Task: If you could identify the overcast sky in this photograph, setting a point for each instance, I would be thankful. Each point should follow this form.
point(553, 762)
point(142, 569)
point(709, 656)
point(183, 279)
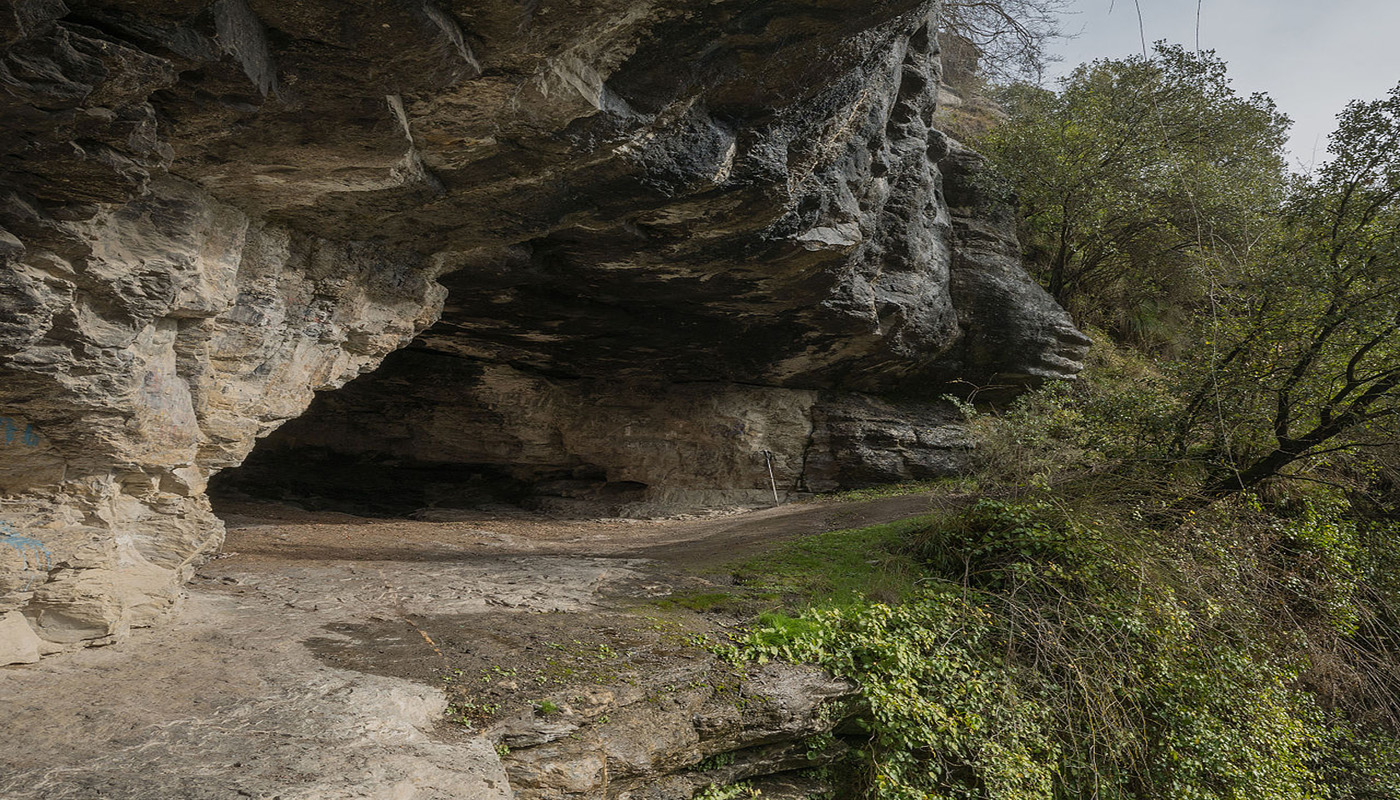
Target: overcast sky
point(1310, 56)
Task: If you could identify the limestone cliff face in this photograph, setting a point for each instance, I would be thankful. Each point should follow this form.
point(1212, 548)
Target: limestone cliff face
point(149, 348)
point(655, 223)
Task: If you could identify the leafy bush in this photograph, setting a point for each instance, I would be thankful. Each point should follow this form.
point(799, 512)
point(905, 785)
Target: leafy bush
point(984, 545)
point(942, 717)
point(1055, 655)
point(1110, 431)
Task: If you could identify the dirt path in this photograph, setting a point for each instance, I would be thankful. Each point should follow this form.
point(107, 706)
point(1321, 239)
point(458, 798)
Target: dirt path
point(266, 533)
point(309, 660)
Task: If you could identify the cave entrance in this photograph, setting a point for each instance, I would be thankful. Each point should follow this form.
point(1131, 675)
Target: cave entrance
point(431, 435)
point(427, 436)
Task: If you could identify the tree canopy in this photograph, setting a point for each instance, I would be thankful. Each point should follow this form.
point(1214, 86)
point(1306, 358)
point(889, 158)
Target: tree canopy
point(1303, 354)
point(1132, 171)
point(1156, 207)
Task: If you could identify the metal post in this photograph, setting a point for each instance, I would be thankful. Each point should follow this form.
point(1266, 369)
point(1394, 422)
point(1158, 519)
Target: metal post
point(768, 456)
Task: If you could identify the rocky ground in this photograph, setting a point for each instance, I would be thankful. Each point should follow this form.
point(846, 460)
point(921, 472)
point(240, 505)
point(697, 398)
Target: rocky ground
point(490, 656)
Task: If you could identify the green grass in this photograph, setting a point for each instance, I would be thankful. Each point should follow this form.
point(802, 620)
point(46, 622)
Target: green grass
point(950, 485)
point(703, 601)
point(838, 567)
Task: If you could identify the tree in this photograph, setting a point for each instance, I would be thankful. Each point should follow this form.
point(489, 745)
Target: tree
point(1303, 350)
point(1132, 172)
point(1010, 35)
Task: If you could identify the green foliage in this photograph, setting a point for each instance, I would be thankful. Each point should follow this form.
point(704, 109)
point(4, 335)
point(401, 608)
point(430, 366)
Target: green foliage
point(840, 566)
point(1049, 654)
point(1115, 426)
point(1302, 348)
point(1131, 173)
point(717, 761)
point(936, 707)
point(1320, 550)
point(733, 791)
point(1155, 205)
point(985, 545)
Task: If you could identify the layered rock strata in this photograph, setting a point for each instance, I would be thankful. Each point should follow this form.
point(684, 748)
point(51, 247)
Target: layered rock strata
point(429, 431)
point(211, 211)
point(152, 351)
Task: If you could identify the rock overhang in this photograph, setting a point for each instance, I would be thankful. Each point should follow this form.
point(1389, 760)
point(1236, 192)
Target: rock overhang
point(212, 211)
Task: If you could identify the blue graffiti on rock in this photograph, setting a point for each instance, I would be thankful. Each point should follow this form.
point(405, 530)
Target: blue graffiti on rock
point(12, 433)
point(32, 552)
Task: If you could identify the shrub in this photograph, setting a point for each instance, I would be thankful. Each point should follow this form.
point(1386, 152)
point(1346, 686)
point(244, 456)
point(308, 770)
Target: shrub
point(1051, 655)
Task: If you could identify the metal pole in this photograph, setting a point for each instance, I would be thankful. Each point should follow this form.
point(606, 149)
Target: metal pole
point(768, 456)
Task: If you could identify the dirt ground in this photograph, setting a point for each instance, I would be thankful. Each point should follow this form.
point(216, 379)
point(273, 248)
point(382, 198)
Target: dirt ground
point(263, 532)
point(327, 656)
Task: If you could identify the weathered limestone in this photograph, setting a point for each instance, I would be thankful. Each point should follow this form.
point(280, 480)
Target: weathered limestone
point(641, 744)
point(166, 336)
point(18, 642)
point(684, 211)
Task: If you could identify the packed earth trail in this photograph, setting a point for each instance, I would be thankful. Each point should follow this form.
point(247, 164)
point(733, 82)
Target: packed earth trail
point(493, 656)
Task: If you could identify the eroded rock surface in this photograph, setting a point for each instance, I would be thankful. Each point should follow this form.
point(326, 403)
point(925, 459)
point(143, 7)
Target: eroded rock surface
point(339, 658)
point(153, 345)
point(679, 215)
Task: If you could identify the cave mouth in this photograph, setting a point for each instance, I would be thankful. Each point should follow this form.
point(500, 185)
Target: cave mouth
point(378, 484)
point(429, 436)
point(440, 437)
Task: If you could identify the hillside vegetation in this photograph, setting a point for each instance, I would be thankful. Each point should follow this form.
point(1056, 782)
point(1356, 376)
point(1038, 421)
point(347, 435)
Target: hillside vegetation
point(1177, 577)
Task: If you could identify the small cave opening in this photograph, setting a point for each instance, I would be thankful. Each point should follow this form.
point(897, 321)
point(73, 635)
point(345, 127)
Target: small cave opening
point(427, 436)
